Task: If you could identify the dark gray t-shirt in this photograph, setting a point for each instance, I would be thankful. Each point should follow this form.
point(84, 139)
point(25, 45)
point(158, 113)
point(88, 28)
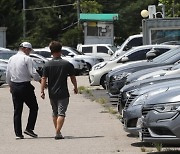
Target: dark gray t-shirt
point(57, 70)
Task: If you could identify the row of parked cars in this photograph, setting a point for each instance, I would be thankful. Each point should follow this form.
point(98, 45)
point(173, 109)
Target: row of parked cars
point(81, 62)
point(145, 83)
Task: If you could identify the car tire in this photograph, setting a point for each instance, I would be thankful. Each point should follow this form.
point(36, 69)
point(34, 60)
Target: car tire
point(88, 67)
point(103, 81)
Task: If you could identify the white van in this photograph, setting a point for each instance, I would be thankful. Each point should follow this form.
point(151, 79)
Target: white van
point(104, 51)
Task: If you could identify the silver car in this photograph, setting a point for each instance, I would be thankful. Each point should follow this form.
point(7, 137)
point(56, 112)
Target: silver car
point(161, 118)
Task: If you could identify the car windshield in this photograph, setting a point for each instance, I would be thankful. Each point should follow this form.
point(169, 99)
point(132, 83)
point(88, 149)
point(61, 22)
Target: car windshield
point(167, 56)
point(113, 48)
point(45, 54)
point(76, 51)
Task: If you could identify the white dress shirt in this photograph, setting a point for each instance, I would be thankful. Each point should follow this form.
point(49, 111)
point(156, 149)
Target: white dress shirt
point(21, 69)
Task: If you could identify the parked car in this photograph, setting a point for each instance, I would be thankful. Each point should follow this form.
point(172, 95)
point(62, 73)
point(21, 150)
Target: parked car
point(90, 60)
point(102, 50)
point(161, 118)
point(131, 41)
point(79, 64)
point(128, 89)
point(4, 49)
point(99, 71)
point(3, 67)
point(38, 63)
point(116, 86)
point(135, 101)
point(2, 75)
point(117, 77)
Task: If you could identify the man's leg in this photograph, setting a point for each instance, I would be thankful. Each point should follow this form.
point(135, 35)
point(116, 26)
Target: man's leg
point(18, 107)
point(58, 123)
point(31, 102)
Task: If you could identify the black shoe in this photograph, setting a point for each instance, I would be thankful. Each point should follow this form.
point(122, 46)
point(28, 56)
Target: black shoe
point(58, 137)
point(19, 137)
point(30, 133)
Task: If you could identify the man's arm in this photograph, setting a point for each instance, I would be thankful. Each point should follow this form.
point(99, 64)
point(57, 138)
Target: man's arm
point(32, 70)
point(74, 82)
point(43, 86)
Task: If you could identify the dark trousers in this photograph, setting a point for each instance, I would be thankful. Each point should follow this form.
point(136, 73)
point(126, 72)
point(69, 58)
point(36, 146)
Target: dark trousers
point(24, 93)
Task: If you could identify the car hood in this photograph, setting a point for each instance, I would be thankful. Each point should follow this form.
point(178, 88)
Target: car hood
point(86, 57)
point(150, 81)
point(137, 74)
point(133, 67)
point(169, 96)
point(154, 87)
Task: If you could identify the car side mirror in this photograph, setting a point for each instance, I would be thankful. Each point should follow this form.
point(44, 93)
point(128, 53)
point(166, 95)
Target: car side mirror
point(110, 52)
point(126, 48)
point(71, 55)
point(150, 55)
point(124, 59)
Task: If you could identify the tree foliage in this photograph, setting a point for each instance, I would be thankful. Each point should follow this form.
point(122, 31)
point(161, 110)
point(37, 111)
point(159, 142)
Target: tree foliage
point(44, 24)
point(90, 7)
point(172, 7)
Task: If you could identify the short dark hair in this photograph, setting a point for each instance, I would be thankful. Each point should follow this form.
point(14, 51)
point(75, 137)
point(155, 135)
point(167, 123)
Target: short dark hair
point(55, 46)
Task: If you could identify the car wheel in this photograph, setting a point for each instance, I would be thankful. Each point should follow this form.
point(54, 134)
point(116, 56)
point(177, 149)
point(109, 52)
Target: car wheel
point(103, 81)
point(89, 67)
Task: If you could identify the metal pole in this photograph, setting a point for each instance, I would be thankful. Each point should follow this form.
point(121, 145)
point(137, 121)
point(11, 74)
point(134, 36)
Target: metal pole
point(24, 19)
point(78, 18)
point(78, 13)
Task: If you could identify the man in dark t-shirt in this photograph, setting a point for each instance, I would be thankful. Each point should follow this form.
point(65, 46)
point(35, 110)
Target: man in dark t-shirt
point(56, 71)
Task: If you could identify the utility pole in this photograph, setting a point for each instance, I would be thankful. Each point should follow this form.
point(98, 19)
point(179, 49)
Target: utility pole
point(24, 19)
point(78, 18)
point(78, 13)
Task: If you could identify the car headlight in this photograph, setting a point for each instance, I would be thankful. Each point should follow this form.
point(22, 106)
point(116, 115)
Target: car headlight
point(140, 100)
point(99, 66)
point(120, 76)
point(167, 107)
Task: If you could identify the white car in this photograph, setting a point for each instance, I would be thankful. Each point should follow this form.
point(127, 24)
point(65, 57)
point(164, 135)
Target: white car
point(98, 73)
point(79, 64)
point(131, 41)
point(3, 67)
point(102, 50)
point(2, 75)
point(90, 60)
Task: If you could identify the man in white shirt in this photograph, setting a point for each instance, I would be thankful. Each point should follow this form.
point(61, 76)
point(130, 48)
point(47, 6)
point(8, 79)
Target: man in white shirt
point(20, 72)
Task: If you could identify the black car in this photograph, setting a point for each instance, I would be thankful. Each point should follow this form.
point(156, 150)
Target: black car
point(116, 78)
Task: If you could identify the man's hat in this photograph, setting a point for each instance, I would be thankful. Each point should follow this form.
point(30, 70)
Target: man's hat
point(26, 45)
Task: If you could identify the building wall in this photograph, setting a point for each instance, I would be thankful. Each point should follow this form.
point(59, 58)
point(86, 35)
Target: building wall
point(98, 33)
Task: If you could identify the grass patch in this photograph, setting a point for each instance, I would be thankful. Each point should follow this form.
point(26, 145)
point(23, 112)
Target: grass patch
point(81, 89)
point(143, 149)
point(101, 100)
point(158, 146)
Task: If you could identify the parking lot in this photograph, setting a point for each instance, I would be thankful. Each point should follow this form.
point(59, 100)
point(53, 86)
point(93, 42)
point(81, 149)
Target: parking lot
point(88, 129)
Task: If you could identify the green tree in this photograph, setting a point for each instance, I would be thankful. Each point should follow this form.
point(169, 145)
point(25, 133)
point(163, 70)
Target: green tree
point(72, 37)
point(90, 7)
point(10, 17)
point(172, 7)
